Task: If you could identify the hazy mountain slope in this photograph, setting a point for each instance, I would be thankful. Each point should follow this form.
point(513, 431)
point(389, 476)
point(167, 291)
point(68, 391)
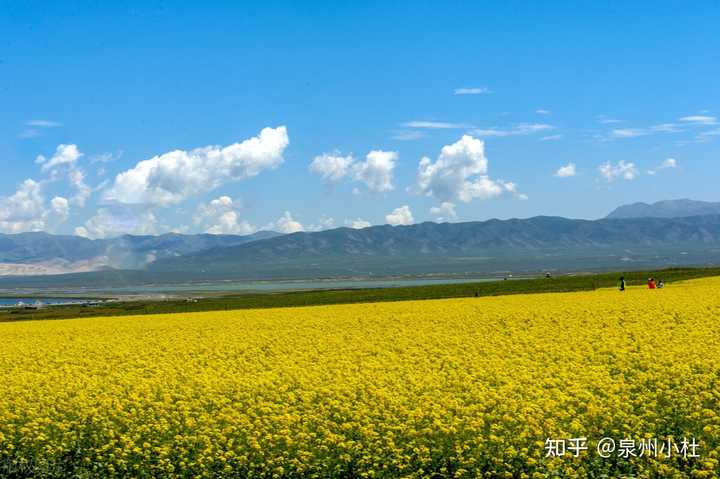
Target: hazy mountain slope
point(489, 247)
point(666, 209)
point(410, 249)
point(43, 252)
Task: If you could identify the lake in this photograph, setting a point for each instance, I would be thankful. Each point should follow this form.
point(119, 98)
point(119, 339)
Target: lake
point(9, 302)
point(238, 287)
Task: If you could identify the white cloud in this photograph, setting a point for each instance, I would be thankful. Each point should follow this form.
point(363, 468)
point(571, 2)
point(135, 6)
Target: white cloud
point(26, 210)
point(471, 91)
point(512, 187)
point(666, 128)
point(325, 223)
point(566, 171)
point(460, 173)
point(407, 135)
point(620, 133)
point(23, 211)
point(435, 125)
point(626, 171)
point(715, 132)
point(517, 130)
point(65, 159)
point(551, 138)
point(82, 190)
point(287, 224)
point(43, 123)
point(61, 207)
point(377, 170)
point(107, 157)
point(628, 132)
point(65, 155)
point(358, 223)
point(117, 220)
point(29, 133)
point(332, 167)
point(699, 119)
point(542, 112)
point(668, 163)
point(220, 216)
point(605, 120)
point(444, 212)
point(400, 216)
point(172, 177)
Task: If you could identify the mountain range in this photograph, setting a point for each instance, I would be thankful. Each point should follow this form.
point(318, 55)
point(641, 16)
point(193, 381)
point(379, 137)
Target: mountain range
point(495, 245)
point(666, 209)
point(43, 253)
point(471, 248)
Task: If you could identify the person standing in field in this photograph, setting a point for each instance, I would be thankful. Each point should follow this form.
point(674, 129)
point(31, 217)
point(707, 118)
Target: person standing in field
point(651, 283)
point(622, 283)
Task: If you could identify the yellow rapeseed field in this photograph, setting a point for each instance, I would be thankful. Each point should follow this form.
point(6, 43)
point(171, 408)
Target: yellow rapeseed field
point(449, 388)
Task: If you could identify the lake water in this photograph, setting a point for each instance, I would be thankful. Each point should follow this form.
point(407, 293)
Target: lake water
point(9, 302)
point(270, 286)
point(241, 287)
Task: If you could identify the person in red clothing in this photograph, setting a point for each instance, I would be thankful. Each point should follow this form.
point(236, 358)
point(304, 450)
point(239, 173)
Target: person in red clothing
point(651, 283)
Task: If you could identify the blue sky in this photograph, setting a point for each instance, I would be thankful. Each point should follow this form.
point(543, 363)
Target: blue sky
point(498, 96)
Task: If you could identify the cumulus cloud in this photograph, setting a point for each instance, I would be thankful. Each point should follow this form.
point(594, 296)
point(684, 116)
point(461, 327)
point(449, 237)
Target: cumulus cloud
point(566, 171)
point(61, 207)
point(221, 216)
point(358, 224)
point(460, 173)
point(622, 170)
point(65, 155)
point(511, 187)
point(668, 163)
point(26, 210)
point(117, 220)
point(377, 170)
point(82, 190)
point(170, 178)
point(287, 224)
point(400, 216)
point(65, 161)
point(472, 91)
point(325, 223)
point(332, 167)
point(444, 212)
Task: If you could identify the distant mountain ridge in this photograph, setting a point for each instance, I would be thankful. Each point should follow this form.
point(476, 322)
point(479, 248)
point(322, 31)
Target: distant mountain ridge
point(470, 248)
point(449, 247)
point(39, 253)
point(666, 209)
